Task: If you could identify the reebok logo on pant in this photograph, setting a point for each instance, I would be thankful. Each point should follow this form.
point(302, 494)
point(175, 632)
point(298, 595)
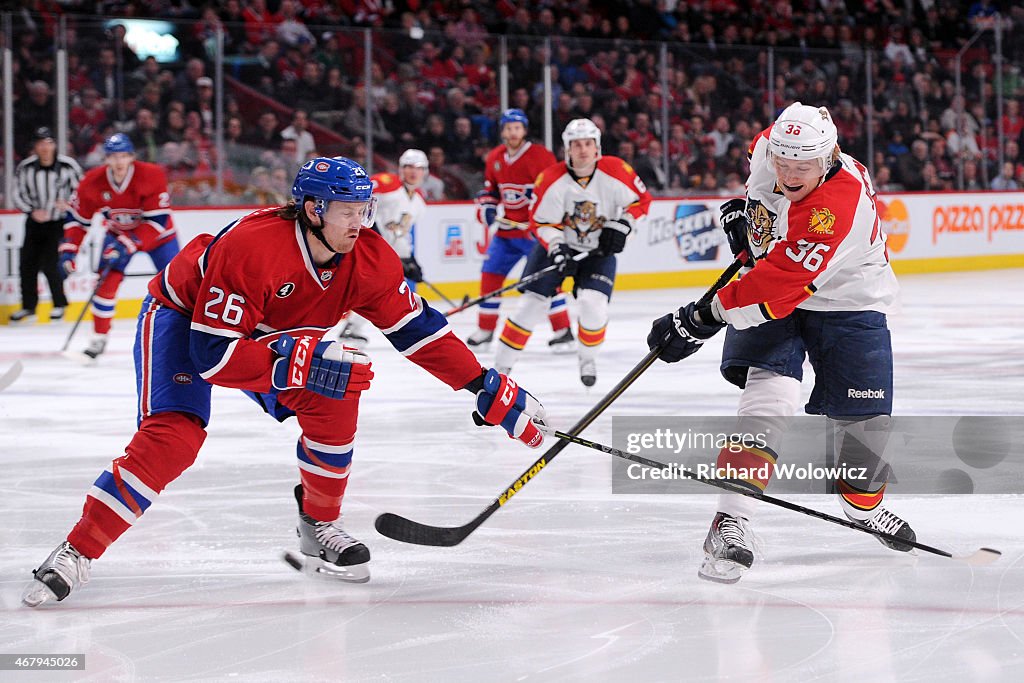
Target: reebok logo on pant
point(865, 393)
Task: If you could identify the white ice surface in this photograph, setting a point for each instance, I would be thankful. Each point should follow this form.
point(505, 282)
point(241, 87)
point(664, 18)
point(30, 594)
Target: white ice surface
point(566, 582)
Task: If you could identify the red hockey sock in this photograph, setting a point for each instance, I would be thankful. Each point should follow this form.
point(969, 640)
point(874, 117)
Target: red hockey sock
point(164, 447)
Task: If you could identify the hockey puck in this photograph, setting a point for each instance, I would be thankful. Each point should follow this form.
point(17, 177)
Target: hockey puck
point(293, 561)
point(981, 441)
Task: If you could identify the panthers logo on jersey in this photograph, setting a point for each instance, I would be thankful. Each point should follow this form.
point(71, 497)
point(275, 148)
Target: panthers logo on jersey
point(584, 218)
point(761, 228)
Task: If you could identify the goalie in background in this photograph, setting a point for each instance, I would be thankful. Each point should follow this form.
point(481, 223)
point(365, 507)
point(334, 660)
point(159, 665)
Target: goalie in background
point(248, 309)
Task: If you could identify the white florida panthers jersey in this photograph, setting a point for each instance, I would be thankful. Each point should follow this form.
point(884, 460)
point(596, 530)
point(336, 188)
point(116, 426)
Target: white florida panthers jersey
point(572, 210)
point(824, 253)
point(398, 211)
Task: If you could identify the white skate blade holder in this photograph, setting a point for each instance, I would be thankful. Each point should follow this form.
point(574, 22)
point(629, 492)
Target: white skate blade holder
point(720, 570)
point(36, 594)
point(358, 573)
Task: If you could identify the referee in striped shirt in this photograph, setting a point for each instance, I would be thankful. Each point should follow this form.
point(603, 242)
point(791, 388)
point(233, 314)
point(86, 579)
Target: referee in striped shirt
point(43, 184)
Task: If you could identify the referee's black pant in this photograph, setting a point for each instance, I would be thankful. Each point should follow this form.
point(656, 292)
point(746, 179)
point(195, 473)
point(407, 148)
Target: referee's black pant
point(39, 254)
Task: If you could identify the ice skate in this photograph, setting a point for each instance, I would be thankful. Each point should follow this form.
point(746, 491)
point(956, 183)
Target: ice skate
point(563, 343)
point(888, 523)
point(24, 316)
point(728, 549)
point(350, 334)
point(588, 372)
point(63, 571)
point(328, 550)
point(57, 313)
point(95, 348)
point(480, 339)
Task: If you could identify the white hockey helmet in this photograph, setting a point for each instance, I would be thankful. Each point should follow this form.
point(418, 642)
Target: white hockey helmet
point(803, 132)
point(413, 157)
point(581, 129)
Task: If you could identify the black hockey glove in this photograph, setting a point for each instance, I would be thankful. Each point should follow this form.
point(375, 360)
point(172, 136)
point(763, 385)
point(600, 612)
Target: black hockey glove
point(412, 269)
point(734, 224)
point(612, 239)
point(680, 334)
point(561, 256)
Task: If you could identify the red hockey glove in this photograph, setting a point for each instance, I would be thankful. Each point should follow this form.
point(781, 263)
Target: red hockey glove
point(503, 402)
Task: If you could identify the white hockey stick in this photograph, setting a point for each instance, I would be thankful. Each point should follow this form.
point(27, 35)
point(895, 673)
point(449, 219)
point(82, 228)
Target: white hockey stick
point(12, 374)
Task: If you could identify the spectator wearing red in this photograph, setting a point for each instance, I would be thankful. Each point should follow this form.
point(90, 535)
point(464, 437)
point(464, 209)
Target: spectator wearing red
point(260, 23)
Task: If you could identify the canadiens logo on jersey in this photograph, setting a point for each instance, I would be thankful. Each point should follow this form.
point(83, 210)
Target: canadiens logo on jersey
point(515, 196)
point(584, 218)
point(125, 219)
point(821, 222)
point(761, 230)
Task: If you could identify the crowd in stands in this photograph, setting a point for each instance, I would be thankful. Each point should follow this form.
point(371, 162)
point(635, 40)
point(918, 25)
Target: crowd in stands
point(682, 81)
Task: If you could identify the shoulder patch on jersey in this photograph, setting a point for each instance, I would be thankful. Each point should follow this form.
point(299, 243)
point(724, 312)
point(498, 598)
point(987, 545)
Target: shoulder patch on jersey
point(821, 222)
point(761, 230)
point(285, 290)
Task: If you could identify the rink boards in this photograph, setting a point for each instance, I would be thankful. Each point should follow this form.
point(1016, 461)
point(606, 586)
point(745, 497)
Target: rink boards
point(680, 244)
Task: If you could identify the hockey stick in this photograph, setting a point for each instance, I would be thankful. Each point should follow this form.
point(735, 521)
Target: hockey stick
point(12, 374)
point(409, 531)
point(525, 281)
point(81, 315)
point(437, 291)
point(978, 558)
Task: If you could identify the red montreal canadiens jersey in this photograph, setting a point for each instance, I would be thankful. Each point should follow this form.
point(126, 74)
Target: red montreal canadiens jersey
point(570, 211)
point(256, 279)
point(510, 178)
point(139, 207)
point(398, 210)
point(824, 253)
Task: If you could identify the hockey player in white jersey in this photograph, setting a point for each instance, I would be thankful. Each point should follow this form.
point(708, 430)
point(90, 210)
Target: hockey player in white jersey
point(821, 286)
point(587, 204)
point(400, 206)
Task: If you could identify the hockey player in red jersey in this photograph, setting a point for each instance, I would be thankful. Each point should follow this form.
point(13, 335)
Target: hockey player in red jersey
point(821, 287)
point(585, 205)
point(247, 309)
point(509, 174)
point(132, 197)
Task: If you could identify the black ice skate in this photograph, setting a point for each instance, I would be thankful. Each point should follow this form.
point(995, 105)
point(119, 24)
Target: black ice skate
point(96, 347)
point(588, 372)
point(563, 343)
point(728, 549)
point(350, 334)
point(63, 571)
point(328, 550)
point(888, 523)
point(480, 339)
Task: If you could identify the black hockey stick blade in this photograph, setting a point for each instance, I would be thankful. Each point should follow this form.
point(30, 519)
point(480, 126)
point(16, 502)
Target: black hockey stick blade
point(980, 557)
point(408, 531)
point(11, 376)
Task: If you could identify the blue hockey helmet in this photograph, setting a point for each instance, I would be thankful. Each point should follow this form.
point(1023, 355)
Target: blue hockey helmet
point(335, 179)
point(118, 142)
point(513, 116)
